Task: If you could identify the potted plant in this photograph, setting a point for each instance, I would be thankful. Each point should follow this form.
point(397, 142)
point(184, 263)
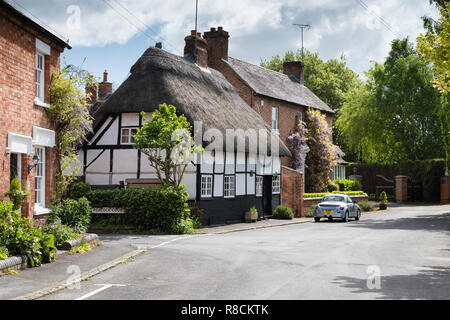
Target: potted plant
point(383, 201)
point(17, 193)
point(251, 215)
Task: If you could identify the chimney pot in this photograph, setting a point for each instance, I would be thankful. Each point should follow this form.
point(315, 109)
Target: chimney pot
point(213, 29)
point(158, 45)
point(199, 34)
point(220, 28)
point(105, 76)
point(193, 32)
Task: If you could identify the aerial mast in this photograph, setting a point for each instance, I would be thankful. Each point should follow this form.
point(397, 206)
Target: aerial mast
point(302, 27)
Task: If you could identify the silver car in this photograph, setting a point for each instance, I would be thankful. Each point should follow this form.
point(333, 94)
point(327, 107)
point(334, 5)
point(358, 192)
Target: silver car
point(337, 206)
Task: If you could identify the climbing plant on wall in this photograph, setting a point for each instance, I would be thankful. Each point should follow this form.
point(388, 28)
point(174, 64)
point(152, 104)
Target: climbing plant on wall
point(322, 155)
point(297, 143)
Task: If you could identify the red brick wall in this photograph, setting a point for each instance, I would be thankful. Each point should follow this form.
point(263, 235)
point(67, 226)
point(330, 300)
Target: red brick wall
point(445, 189)
point(292, 190)
point(18, 113)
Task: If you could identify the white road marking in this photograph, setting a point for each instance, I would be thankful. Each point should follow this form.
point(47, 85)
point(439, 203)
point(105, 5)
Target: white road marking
point(176, 239)
point(438, 259)
point(105, 286)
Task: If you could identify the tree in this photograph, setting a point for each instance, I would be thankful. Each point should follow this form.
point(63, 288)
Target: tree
point(166, 140)
point(394, 116)
point(69, 113)
point(330, 80)
point(322, 154)
point(435, 48)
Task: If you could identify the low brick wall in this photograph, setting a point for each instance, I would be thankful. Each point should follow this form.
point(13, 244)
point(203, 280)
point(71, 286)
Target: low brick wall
point(309, 202)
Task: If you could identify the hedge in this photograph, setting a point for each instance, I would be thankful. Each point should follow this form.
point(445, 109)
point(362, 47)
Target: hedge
point(320, 195)
point(164, 209)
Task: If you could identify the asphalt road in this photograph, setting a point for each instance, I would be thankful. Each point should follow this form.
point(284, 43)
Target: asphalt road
point(403, 253)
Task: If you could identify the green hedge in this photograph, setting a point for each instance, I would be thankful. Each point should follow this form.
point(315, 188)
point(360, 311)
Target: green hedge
point(163, 209)
point(283, 213)
point(320, 195)
point(348, 185)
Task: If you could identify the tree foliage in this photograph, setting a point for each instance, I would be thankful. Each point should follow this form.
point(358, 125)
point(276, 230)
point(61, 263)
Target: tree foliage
point(435, 48)
point(166, 140)
point(70, 116)
point(394, 116)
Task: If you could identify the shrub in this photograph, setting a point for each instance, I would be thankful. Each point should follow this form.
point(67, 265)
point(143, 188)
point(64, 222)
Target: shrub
point(332, 186)
point(310, 212)
point(161, 209)
point(183, 226)
point(282, 212)
point(383, 198)
point(348, 185)
point(3, 253)
point(74, 213)
point(253, 210)
point(196, 216)
point(60, 232)
point(365, 206)
point(79, 190)
point(17, 193)
point(320, 195)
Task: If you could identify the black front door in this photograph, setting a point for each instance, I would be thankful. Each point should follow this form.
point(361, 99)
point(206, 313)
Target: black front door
point(267, 196)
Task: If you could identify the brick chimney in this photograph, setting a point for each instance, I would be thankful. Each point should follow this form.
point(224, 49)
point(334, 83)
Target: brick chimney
point(295, 68)
point(91, 93)
point(104, 87)
point(217, 41)
point(201, 56)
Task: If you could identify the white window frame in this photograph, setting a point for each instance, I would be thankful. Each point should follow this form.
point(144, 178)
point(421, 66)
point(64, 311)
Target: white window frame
point(206, 186)
point(259, 186)
point(229, 186)
point(275, 122)
point(300, 116)
point(39, 188)
point(40, 76)
point(129, 135)
point(276, 184)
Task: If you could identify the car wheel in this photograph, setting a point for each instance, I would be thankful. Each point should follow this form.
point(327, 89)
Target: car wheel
point(358, 215)
point(316, 219)
point(346, 217)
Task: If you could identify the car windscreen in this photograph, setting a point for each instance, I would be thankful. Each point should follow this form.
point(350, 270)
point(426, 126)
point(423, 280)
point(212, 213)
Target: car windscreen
point(333, 198)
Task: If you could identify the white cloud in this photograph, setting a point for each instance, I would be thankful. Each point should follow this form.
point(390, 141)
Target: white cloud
point(258, 28)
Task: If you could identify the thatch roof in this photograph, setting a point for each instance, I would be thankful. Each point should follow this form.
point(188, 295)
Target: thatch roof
point(200, 94)
point(276, 85)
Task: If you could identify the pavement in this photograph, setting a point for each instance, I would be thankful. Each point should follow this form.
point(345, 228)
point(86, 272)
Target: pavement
point(401, 253)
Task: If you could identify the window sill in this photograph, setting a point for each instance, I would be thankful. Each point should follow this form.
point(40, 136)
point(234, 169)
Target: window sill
point(38, 211)
point(38, 102)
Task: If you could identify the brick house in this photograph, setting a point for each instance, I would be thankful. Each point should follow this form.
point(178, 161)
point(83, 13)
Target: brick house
point(277, 97)
point(29, 54)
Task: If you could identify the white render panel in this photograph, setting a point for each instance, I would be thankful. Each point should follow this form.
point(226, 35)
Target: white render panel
point(102, 128)
point(218, 185)
point(240, 184)
point(97, 179)
point(190, 180)
point(251, 184)
point(219, 164)
point(130, 119)
point(207, 163)
point(251, 162)
point(240, 162)
point(110, 137)
point(268, 166)
point(276, 165)
point(125, 161)
point(99, 165)
point(229, 162)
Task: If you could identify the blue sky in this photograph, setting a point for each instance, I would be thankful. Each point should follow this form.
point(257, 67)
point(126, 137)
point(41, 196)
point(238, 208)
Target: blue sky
point(113, 34)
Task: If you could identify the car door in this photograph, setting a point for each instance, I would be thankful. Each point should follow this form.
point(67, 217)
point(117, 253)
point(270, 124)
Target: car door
point(351, 207)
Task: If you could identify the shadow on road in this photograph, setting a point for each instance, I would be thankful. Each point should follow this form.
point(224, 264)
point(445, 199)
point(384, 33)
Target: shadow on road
point(426, 223)
point(431, 283)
